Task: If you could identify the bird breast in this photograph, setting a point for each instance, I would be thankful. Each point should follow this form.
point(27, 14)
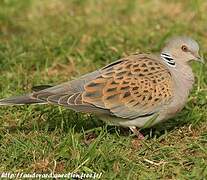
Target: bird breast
point(183, 80)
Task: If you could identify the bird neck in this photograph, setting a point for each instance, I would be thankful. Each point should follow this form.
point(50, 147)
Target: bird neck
point(168, 59)
point(183, 79)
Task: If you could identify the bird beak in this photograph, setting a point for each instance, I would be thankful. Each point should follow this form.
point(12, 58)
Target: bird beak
point(198, 57)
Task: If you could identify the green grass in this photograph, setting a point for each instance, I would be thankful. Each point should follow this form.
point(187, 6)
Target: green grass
point(52, 41)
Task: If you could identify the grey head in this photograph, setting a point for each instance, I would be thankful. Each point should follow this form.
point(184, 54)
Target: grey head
point(180, 50)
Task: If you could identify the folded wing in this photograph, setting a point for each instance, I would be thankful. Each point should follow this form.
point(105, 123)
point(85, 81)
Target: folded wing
point(132, 87)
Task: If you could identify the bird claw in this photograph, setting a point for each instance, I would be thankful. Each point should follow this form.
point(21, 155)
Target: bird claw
point(139, 135)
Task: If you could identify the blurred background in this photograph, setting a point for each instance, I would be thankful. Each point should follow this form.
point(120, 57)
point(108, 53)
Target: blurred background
point(78, 36)
point(52, 41)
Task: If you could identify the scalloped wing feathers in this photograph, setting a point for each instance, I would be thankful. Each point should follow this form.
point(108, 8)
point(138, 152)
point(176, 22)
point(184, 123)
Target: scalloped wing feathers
point(128, 88)
point(134, 87)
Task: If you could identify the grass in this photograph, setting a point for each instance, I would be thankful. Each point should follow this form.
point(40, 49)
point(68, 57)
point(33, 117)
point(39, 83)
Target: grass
point(52, 41)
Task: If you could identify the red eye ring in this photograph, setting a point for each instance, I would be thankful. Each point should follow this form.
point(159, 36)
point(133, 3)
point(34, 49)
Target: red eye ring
point(184, 48)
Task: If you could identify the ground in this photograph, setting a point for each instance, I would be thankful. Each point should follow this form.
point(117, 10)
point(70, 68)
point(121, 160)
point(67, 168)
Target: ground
point(52, 41)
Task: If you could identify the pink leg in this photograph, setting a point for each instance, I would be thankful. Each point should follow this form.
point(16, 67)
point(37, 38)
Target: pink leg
point(136, 132)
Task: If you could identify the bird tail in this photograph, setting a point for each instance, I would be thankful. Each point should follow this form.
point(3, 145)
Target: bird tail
point(20, 100)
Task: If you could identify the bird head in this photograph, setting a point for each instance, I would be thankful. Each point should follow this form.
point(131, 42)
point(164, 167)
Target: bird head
point(182, 49)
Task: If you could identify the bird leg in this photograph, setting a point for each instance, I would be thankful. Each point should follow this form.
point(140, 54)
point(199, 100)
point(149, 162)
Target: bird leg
point(136, 132)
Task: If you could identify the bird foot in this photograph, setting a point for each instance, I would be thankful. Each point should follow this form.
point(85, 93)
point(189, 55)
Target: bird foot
point(139, 135)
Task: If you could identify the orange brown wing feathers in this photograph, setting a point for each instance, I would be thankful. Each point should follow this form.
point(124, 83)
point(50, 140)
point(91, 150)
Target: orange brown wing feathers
point(130, 88)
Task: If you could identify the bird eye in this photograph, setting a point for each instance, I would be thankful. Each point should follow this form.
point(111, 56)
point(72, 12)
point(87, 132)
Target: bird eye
point(184, 48)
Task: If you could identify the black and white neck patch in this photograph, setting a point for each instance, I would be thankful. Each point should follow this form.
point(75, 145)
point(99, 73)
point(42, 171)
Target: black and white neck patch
point(168, 59)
